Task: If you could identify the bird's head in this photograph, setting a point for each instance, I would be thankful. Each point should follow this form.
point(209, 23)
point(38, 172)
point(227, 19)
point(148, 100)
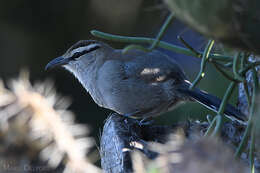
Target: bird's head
point(80, 55)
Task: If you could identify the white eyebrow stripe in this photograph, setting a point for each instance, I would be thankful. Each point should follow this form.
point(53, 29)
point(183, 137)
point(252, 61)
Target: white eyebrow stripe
point(88, 47)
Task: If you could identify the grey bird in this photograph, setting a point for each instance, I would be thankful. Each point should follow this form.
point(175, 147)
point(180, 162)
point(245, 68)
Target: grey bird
point(136, 84)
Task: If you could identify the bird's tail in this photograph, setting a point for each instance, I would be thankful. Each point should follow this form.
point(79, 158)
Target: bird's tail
point(213, 103)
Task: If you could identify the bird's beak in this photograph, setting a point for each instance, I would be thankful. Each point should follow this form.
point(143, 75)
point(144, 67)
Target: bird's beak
point(57, 62)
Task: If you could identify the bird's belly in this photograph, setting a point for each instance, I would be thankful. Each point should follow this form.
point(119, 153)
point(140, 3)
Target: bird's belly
point(128, 97)
point(127, 94)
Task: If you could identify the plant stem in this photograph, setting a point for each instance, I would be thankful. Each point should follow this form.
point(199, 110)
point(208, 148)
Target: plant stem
point(246, 93)
point(189, 46)
point(134, 46)
point(161, 44)
point(250, 66)
point(218, 126)
point(162, 31)
point(226, 97)
point(211, 126)
point(222, 108)
point(244, 140)
point(235, 68)
point(225, 74)
point(252, 148)
point(203, 63)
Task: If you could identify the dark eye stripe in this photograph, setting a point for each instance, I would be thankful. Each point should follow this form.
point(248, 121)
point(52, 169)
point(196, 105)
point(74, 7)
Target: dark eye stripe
point(78, 54)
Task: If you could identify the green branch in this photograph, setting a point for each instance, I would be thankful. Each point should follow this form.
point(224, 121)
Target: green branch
point(246, 93)
point(203, 63)
point(161, 44)
point(226, 97)
point(235, 68)
point(222, 107)
point(244, 140)
point(155, 42)
point(225, 74)
point(218, 126)
point(252, 148)
point(189, 46)
point(212, 125)
point(249, 67)
point(162, 31)
point(134, 46)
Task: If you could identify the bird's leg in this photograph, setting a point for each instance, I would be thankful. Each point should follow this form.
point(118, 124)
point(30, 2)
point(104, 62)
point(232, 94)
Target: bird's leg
point(143, 121)
point(131, 117)
point(146, 121)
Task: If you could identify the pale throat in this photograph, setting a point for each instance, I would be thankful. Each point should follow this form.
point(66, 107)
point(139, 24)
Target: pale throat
point(83, 75)
point(87, 78)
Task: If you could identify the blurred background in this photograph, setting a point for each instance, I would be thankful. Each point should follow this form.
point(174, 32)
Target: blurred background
point(34, 32)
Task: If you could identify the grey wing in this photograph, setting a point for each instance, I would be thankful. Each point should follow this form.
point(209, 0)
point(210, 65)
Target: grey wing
point(139, 82)
point(155, 75)
point(153, 67)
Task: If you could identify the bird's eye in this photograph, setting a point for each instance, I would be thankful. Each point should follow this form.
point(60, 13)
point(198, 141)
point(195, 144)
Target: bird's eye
point(80, 53)
point(76, 55)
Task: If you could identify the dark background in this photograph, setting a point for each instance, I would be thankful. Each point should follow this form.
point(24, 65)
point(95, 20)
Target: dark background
point(34, 32)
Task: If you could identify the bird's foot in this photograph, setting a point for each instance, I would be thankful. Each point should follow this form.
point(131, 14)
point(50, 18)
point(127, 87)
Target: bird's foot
point(146, 121)
point(143, 122)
